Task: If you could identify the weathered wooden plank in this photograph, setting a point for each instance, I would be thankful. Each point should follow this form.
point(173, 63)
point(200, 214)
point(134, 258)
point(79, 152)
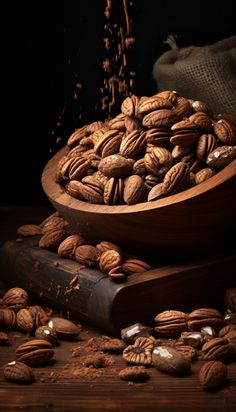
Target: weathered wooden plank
point(111, 305)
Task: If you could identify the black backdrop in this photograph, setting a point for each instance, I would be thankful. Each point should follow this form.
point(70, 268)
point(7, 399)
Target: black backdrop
point(51, 45)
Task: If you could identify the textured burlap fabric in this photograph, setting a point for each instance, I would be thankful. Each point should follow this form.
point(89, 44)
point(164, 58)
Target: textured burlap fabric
point(206, 73)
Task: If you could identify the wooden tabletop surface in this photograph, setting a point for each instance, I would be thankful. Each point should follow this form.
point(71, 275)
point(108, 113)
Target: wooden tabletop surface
point(52, 391)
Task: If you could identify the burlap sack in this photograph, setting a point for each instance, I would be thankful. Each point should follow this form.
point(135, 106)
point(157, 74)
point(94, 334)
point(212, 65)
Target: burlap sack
point(201, 73)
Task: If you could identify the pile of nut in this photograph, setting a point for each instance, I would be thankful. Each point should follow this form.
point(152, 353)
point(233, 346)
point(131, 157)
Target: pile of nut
point(16, 313)
point(107, 256)
point(204, 334)
point(156, 147)
point(176, 340)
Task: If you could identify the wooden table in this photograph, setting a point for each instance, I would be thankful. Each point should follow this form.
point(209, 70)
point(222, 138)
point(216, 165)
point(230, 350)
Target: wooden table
point(107, 393)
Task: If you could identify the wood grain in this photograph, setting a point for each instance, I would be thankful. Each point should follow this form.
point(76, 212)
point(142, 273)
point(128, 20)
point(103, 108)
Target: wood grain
point(194, 220)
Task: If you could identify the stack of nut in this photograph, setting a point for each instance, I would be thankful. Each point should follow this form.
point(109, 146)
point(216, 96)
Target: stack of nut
point(157, 146)
point(179, 338)
point(45, 330)
point(108, 257)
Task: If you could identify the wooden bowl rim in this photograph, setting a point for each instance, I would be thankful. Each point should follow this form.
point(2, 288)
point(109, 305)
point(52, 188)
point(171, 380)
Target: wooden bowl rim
point(55, 191)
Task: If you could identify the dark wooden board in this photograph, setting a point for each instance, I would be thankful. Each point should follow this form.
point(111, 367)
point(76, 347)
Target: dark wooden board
point(111, 305)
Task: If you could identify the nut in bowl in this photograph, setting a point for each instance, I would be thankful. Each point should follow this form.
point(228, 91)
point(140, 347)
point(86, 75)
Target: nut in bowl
point(158, 178)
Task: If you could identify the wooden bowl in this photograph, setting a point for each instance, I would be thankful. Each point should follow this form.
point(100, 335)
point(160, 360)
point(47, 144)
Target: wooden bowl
point(193, 221)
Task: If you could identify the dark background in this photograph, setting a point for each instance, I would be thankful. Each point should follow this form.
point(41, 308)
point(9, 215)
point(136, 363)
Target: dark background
point(49, 46)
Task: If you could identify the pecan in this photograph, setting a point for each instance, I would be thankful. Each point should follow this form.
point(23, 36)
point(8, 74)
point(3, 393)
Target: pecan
point(225, 131)
point(170, 323)
point(77, 151)
point(205, 317)
point(15, 298)
point(41, 315)
point(52, 239)
point(92, 189)
point(134, 190)
point(78, 168)
point(205, 145)
point(49, 218)
point(131, 266)
point(64, 328)
point(115, 166)
point(169, 95)
point(26, 320)
point(139, 167)
point(226, 330)
point(140, 353)
point(73, 188)
point(180, 151)
point(185, 133)
point(104, 246)
point(76, 136)
point(212, 374)
point(118, 122)
point(109, 143)
point(170, 360)
point(97, 134)
point(158, 161)
point(67, 247)
point(18, 372)
point(154, 103)
point(160, 118)
point(183, 107)
point(55, 223)
point(203, 175)
point(202, 121)
point(132, 124)
point(132, 144)
point(113, 191)
point(100, 176)
point(177, 178)
point(157, 192)
point(29, 230)
point(35, 352)
point(150, 181)
point(217, 349)
point(87, 255)
point(159, 136)
point(129, 105)
point(109, 260)
point(7, 319)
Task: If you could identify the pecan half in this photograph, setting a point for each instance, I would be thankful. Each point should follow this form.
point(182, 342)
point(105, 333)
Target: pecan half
point(140, 353)
point(170, 323)
point(35, 352)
